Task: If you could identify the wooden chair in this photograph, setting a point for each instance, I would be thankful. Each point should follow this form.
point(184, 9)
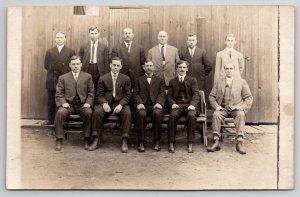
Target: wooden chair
point(227, 127)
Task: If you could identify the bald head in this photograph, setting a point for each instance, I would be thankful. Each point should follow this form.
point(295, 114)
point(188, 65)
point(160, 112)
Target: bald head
point(162, 37)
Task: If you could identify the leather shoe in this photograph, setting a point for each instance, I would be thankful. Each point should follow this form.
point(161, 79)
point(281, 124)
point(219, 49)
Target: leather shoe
point(171, 147)
point(190, 147)
point(240, 147)
point(141, 147)
point(58, 145)
point(124, 146)
point(95, 144)
point(157, 145)
point(214, 147)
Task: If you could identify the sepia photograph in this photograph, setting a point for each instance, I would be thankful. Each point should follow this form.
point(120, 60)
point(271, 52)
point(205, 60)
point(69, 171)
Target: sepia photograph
point(150, 97)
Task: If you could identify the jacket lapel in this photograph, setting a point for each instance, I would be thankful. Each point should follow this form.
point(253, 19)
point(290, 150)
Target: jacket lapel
point(223, 83)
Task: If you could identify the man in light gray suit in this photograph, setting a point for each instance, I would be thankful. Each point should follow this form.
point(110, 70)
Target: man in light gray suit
point(230, 97)
point(164, 58)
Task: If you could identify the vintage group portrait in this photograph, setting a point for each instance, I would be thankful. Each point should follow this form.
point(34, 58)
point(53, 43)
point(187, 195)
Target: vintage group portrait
point(150, 97)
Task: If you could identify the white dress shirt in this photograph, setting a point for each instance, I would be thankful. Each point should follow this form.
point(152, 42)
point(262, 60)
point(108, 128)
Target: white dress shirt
point(95, 52)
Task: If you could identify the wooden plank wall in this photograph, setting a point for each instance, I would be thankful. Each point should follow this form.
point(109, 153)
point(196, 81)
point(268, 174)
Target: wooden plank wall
point(255, 28)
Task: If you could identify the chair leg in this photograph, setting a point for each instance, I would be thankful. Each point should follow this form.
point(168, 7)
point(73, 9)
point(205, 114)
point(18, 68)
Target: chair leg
point(204, 133)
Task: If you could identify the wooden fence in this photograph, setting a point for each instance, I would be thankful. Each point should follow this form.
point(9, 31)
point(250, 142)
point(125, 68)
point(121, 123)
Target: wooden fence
point(255, 28)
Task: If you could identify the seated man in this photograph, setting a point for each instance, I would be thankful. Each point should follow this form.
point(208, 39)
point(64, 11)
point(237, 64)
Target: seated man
point(112, 97)
point(230, 97)
point(149, 96)
point(183, 97)
point(74, 94)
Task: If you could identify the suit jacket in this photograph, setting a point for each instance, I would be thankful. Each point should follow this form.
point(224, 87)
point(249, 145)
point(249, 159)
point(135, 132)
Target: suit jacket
point(132, 63)
point(200, 66)
point(191, 87)
point(105, 89)
point(240, 94)
point(167, 71)
point(102, 57)
point(57, 64)
point(156, 89)
point(67, 88)
point(237, 59)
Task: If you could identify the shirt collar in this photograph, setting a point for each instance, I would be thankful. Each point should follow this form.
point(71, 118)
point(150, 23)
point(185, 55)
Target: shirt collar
point(75, 73)
point(96, 43)
point(126, 43)
point(149, 75)
point(60, 46)
point(229, 80)
point(229, 49)
point(183, 77)
point(112, 74)
point(160, 45)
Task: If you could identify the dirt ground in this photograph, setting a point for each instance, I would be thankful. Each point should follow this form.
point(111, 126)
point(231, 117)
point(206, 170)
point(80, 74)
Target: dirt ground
point(108, 168)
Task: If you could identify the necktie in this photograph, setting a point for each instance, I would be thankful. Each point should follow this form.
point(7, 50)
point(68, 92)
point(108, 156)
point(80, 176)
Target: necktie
point(191, 52)
point(75, 76)
point(230, 54)
point(93, 51)
point(162, 52)
point(149, 79)
point(181, 79)
point(114, 84)
point(128, 47)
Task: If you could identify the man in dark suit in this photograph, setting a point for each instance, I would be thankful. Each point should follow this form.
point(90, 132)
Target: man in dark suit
point(74, 94)
point(149, 97)
point(112, 97)
point(57, 61)
point(95, 56)
point(230, 97)
point(183, 97)
point(200, 66)
point(132, 55)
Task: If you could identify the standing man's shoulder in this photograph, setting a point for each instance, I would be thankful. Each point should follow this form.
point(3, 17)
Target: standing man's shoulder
point(153, 48)
point(123, 76)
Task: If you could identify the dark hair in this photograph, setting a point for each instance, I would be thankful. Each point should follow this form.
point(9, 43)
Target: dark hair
point(182, 62)
point(116, 58)
point(229, 64)
point(75, 57)
point(229, 35)
point(191, 35)
point(93, 28)
point(147, 61)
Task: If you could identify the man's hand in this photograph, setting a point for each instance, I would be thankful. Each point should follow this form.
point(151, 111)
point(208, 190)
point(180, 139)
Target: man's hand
point(140, 106)
point(175, 106)
point(66, 105)
point(157, 106)
point(191, 108)
point(86, 105)
point(219, 108)
point(106, 107)
point(118, 109)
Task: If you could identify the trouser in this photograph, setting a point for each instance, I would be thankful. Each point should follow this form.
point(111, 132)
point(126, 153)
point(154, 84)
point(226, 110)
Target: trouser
point(63, 113)
point(173, 120)
point(239, 121)
point(93, 70)
point(51, 106)
point(99, 116)
point(141, 115)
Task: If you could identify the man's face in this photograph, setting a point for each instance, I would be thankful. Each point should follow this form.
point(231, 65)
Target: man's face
point(191, 41)
point(229, 69)
point(75, 65)
point(162, 37)
point(115, 66)
point(148, 67)
point(230, 41)
point(182, 69)
point(128, 35)
point(94, 35)
point(60, 39)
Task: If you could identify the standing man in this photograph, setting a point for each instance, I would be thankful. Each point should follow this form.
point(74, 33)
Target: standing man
point(132, 55)
point(95, 56)
point(57, 61)
point(164, 58)
point(183, 97)
point(200, 66)
point(74, 94)
point(229, 55)
point(230, 97)
point(149, 96)
point(112, 97)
